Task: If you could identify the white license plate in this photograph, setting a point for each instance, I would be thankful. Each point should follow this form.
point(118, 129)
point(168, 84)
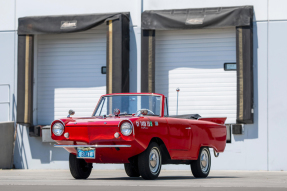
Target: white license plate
point(87, 153)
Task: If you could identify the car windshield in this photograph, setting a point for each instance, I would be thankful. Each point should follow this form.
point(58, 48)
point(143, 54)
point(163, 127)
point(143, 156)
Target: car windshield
point(129, 104)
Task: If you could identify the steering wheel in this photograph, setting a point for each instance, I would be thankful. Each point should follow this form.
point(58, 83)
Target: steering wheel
point(139, 111)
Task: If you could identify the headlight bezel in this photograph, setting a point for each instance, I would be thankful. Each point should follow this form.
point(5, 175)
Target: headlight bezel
point(62, 128)
point(122, 128)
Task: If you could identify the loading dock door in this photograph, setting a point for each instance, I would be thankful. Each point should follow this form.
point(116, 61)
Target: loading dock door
point(193, 60)
point(69, 73)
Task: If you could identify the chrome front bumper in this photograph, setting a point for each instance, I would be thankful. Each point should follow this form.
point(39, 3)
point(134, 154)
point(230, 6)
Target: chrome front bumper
point(96, 146)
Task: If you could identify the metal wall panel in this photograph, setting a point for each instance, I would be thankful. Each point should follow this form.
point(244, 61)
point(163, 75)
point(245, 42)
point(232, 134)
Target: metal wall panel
point(7, 67)
point(277, 93)
point(193, 61)
point(277, 10)
point(7, 15)
point(69, 73)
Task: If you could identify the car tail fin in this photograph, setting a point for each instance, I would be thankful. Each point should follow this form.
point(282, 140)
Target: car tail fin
point(218, 120)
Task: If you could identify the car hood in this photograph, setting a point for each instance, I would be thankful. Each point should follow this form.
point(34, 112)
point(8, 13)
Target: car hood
point(108, 121)
point(94, 130)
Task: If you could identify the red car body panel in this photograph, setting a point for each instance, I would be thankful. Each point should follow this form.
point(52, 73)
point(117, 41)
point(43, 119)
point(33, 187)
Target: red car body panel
point(183, 138)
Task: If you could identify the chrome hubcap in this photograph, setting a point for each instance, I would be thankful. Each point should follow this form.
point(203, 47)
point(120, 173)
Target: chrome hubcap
point(204, 161)
point(154, 160)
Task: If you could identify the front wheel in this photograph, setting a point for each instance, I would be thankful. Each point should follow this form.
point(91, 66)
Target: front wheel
point(79, 168)
point(149, 162)
point(201, 167)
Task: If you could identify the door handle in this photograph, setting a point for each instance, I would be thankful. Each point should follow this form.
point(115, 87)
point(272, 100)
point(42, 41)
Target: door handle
point(188, 128)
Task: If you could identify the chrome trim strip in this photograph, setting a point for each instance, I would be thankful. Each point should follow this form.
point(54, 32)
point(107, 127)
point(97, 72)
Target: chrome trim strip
point(96, 146)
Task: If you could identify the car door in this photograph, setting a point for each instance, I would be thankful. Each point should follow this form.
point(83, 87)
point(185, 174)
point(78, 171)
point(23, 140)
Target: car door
point(179, 133)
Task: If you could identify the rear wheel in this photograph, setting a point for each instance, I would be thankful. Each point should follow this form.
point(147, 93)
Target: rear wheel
point(201, 167)
point(149, 162)
point(132, 170)
point(79, 168)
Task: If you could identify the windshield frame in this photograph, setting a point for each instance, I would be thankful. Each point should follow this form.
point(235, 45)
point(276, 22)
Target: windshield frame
point(162, 97)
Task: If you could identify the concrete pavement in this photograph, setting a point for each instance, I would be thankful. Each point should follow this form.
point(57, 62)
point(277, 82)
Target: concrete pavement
point(117, 180)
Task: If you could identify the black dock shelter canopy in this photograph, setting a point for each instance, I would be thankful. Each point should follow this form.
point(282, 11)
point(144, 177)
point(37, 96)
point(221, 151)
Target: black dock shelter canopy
point(240, 17)
point(117, 51)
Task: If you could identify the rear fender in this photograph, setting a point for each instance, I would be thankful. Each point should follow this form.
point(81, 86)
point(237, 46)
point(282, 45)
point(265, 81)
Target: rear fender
point(208, 146)
point(218, 120)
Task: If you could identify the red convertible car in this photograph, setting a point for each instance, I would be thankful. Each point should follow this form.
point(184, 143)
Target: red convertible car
point(135, 129)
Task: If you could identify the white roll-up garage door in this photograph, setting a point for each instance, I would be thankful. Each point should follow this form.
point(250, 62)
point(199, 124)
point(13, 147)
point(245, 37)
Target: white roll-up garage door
point(193, 60)
point(69, 73)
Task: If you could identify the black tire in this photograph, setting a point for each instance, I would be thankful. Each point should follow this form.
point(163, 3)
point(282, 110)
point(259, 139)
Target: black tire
point(198, 167)
point(132, 170)
point(79, 168)
point(145, 165)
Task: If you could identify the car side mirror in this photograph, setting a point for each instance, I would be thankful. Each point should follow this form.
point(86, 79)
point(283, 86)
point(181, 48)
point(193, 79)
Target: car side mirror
point(71, 112)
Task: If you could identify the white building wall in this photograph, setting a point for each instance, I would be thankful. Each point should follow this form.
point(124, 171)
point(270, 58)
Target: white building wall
point(7, 67)
point(277, 93)
point(7, 15)
point(7, 59)
point(277, 10)
point(261, 147)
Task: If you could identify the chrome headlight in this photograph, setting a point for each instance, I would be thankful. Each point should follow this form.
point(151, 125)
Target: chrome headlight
point(58, 129)
point(126, 128)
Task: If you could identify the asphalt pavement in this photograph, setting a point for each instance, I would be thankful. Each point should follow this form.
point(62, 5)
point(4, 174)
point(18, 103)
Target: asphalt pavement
point(30, 180)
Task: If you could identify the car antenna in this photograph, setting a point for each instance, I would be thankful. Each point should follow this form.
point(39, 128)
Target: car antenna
point(177, 89)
